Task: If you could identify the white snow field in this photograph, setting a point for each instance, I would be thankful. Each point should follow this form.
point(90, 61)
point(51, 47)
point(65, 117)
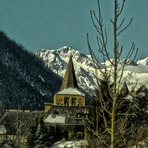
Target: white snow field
point(135, 74)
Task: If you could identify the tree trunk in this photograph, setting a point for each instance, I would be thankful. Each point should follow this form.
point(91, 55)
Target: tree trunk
point(115, 77)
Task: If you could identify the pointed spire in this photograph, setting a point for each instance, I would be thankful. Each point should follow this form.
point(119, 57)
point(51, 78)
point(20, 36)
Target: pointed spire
point(69, 78)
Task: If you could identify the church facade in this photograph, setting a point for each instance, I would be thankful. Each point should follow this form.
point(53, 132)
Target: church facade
point(69, 94)
point(68, 109)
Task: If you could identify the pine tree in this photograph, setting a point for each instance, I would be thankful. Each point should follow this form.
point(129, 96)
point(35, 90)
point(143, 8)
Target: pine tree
point(99, 120)
point(95, 123)
point(40, 135)
point(139, 122)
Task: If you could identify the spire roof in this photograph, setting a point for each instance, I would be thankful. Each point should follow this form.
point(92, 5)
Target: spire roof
point(69, 80)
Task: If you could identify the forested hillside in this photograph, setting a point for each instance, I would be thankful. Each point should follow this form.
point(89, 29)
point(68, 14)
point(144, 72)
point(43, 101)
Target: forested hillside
point(25, 83)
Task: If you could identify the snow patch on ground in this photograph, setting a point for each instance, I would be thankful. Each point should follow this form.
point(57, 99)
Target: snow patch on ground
point(71, 144)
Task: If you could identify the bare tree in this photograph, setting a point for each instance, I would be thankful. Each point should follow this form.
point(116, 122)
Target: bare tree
point(116, 119)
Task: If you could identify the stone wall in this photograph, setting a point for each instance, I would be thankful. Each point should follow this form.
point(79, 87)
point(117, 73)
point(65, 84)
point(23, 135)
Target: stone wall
point(69, 100)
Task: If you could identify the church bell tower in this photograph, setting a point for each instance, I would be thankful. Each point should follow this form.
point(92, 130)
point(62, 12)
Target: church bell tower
point(69, 94)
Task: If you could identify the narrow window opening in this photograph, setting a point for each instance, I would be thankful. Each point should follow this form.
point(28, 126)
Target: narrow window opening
point(66, 102)
point(73, 101)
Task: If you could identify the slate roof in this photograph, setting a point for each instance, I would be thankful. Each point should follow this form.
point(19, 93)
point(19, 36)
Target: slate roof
point(142, 89)
point(69, 115)
point(69, 80)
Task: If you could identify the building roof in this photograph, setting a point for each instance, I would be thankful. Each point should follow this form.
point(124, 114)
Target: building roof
point(55, 119)
point(67, 115)
point(69, 80)
point(71, 91)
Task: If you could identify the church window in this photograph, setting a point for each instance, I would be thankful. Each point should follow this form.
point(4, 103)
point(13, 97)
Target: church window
point(73, 101)
point(66, 102)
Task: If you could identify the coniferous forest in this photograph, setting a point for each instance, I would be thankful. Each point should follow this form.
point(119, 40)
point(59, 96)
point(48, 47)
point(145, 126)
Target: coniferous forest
point(25, 82)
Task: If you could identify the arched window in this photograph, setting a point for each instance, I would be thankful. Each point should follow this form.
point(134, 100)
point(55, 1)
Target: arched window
point(73, 102)
point(66, 101)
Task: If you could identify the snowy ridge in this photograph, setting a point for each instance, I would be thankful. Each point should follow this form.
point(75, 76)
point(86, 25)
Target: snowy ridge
point(135, 73)
point(143, 62)
point(57, 61)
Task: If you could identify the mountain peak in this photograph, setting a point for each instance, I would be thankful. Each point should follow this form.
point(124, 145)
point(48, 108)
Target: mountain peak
point(64, 49)
point(57, 61)
point(143, 61)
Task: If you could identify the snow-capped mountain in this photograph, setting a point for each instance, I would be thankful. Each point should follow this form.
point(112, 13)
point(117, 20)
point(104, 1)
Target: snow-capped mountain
point(135, 73)
point(143, 61)
point(57, 61)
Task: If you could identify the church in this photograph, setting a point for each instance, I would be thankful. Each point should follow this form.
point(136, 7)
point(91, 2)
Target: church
point(69, 107)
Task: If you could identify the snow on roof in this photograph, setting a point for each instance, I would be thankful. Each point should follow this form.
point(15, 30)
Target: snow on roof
point(140, 94)
point(71, 91)
point(129, 97)
point(55, 119)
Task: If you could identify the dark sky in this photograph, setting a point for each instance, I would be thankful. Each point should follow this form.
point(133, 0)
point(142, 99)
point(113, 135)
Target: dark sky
point(51, 24)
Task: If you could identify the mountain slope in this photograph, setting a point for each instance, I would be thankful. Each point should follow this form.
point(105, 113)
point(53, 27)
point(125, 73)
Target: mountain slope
point(135, 73)
point(25, 82)
point(143, 61)
point(57, 61)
